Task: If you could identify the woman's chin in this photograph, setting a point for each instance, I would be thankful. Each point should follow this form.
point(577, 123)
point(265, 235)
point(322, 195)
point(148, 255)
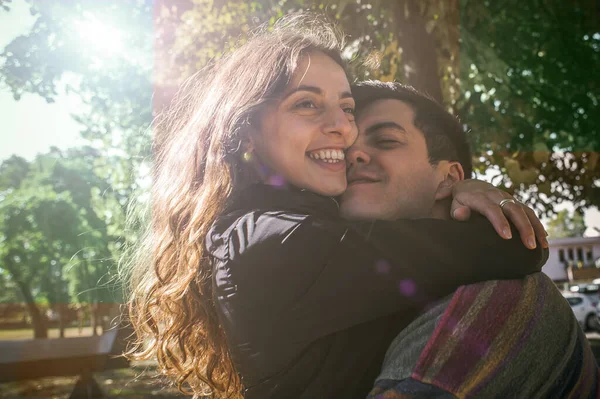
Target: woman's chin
point(329, 189)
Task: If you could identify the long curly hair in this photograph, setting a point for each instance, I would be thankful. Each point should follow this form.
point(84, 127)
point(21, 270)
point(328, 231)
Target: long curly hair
point(197, 167)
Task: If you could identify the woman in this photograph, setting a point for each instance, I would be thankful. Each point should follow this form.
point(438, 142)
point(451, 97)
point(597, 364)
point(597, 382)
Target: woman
point(248, 278)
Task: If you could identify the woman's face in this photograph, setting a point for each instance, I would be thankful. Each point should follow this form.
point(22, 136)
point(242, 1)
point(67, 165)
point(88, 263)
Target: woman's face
point(304, 133)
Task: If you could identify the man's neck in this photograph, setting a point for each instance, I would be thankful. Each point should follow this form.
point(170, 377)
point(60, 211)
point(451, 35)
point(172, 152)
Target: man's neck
point(441, 209)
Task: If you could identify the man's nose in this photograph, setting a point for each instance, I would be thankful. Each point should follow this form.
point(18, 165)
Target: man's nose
point(357, 155)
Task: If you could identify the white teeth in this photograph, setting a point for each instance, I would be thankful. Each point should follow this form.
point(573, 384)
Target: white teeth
point(329, 156)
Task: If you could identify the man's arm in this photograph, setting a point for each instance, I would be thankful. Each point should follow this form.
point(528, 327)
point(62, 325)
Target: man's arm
point(447, 254)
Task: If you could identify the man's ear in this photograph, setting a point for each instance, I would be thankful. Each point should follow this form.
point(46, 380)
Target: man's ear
point(452, 172)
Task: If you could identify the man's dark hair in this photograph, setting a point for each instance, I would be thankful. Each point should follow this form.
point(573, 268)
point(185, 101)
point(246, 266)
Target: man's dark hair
point(444, 135)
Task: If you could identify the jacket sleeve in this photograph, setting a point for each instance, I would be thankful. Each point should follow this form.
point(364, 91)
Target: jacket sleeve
point(305, 278)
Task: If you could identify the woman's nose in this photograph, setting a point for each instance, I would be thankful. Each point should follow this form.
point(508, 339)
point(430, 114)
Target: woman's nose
point(340, 122)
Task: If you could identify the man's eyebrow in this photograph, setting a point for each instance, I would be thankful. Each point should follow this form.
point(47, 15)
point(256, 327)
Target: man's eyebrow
point(346, 94)
point(384, 125)
point(314, 89)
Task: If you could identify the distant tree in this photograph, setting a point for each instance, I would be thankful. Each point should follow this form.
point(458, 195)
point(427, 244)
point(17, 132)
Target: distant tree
point(566, 224)
point(4, 4)
point(53, 229)
point(92, 268)
point(9, 293)
point(38, 228)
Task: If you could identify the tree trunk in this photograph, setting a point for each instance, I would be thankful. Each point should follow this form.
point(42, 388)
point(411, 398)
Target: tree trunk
point(94, 315)
point(80, 314)
point(419, 57)
point(40, 328)
point(61, 319)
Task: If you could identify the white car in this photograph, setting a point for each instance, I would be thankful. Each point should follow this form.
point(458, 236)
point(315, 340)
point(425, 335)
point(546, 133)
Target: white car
point(592, 291)
point(584, 311)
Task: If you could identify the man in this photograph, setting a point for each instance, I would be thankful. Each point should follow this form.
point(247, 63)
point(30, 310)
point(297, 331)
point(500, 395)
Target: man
point(512, 338)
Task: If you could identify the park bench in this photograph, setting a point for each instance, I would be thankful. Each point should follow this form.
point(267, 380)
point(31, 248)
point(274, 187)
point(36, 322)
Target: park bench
point(78, 356)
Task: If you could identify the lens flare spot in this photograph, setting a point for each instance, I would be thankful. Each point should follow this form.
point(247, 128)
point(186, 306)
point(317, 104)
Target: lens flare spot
point(276, 180)
point(408, 287)
point(382, 267)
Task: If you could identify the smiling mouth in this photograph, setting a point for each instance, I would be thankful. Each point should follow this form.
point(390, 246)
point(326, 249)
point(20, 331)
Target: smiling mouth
point(332, 155)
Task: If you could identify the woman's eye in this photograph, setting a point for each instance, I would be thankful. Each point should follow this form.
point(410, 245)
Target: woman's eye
point(349, 110)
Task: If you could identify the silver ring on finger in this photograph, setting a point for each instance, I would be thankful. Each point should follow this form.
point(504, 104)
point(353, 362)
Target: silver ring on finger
point(507, 201)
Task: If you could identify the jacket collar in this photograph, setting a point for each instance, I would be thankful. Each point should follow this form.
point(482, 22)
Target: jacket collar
point(288, 198)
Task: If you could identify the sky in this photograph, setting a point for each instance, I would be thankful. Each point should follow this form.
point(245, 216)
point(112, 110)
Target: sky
point(31, 126)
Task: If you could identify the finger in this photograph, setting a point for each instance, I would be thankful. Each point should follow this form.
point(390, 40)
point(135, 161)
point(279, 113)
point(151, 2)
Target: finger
point(519, 218)
point(538, 227)
point(497, 195)
point(482, 204)
point(459, 211)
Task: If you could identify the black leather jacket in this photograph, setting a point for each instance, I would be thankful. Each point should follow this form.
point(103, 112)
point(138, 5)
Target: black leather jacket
point(310, 303)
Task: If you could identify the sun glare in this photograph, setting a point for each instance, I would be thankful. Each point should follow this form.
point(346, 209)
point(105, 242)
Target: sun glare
point(104, 38)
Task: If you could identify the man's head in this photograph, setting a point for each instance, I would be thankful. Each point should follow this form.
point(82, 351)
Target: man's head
point(408, 154)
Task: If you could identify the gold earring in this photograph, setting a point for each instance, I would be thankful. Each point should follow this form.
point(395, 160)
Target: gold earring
point(247, 156)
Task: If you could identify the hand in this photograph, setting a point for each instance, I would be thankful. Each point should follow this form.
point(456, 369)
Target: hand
point(484, 198)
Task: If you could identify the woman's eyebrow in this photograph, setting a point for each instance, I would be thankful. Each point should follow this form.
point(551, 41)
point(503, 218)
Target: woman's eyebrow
point(384, 125)
point(314, 89)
